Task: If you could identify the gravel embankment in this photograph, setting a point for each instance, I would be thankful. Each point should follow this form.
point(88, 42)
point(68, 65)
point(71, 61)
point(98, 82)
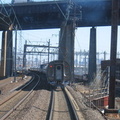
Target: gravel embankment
point(35, 107)
point(6, 87)
point(88, 113)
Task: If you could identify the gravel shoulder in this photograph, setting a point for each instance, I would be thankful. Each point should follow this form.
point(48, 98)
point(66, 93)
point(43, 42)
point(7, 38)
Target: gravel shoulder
point(7, 87)
point(35, 107)
point(88, 113)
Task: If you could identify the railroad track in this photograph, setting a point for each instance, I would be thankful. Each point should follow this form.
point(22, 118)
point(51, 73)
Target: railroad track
point(9, 105)
point(63, 106)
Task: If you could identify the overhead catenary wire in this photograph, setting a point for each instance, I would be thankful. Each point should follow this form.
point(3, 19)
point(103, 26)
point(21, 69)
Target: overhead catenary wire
point(75, 20)
point(5, 21)
point(18, 23)
point(12, 22)
point(15, 18)
point(6, 11)
point(60, 10)
point(68, 10)
point(72, 6)
point(18, 20)
point(67, 16)
point(9, 15)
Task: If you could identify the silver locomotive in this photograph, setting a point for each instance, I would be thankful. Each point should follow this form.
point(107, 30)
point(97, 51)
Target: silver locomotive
point(58, 72)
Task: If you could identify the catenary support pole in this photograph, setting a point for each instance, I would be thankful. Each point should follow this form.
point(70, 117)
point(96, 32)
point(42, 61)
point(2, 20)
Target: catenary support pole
point(15, 53)
point(24, 55)
point(48, 50)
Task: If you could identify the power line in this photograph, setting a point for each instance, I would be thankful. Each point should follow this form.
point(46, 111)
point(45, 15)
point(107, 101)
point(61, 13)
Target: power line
point(5, 11)
point(67, 16)
point(60, 10)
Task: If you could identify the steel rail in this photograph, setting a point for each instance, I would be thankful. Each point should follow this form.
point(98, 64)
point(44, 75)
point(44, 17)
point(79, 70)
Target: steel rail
point(71, 107)
point(17, 92)
point(75, 108)
point(21, 101)
point(51, 106)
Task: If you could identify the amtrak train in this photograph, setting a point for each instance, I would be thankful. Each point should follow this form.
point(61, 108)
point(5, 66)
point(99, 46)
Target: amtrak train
point(58, 72)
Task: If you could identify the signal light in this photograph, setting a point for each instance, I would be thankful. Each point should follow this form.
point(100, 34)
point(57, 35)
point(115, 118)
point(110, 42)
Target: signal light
point(51, 66)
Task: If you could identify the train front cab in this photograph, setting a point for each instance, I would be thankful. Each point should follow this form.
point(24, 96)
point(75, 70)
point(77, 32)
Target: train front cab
point(58, 73)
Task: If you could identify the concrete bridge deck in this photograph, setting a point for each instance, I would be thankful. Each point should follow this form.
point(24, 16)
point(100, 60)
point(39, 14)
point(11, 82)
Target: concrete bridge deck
point(51, 14)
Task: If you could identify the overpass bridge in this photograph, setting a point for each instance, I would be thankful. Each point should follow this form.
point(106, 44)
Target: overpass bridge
point(66, 15)
point(51, 14)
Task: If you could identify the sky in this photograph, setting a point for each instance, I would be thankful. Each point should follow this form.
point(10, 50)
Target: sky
point(82, 36)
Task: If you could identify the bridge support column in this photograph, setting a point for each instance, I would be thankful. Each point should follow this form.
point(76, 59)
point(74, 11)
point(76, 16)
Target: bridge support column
point(6, 54)
point(92, 55)
point(66, 45)
point(113, 52)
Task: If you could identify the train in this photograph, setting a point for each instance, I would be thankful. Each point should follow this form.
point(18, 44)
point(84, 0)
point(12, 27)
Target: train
point(58, 72)
point(43, 68)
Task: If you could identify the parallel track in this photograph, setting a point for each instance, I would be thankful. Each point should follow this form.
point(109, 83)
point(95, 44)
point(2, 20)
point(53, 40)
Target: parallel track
point(10, 104)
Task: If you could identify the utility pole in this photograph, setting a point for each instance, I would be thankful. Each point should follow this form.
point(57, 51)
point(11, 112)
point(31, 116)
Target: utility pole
point(40, 59)
point(85, 68)
point(15, 53)
point(115, 17)
point(48, 49)
point(76, 58)
point(104, 55)
point(98, 58)
point(24, 55)
point(80, 58)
